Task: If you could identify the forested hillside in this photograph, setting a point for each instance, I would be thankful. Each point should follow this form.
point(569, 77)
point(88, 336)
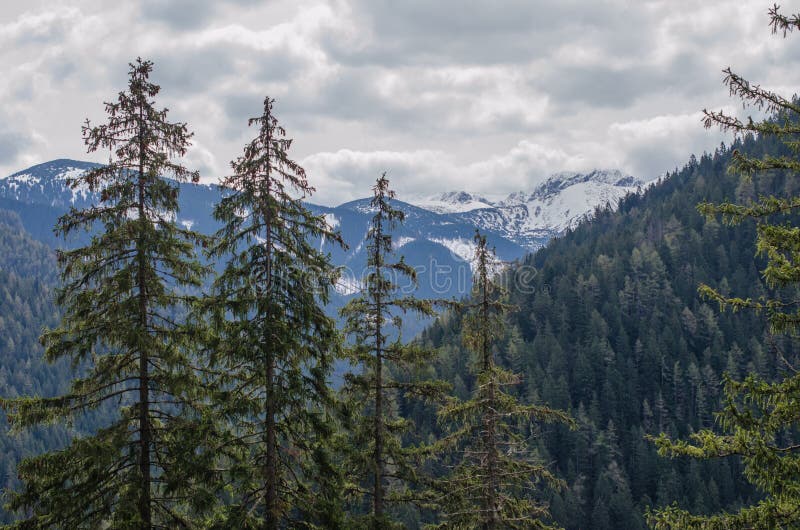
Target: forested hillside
point(611, 327)
point(27, 274)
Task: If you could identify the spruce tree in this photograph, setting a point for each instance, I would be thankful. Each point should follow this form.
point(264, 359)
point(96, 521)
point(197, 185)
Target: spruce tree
point(122, 298)
point(273, 346)
point(384, 469)
point(495, 479)
point(759, 422)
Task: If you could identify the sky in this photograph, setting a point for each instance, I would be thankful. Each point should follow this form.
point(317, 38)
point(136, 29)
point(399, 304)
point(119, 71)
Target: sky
point(489, 96)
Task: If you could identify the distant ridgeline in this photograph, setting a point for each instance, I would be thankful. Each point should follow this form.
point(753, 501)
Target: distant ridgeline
point(436, 237)
point(611, 326)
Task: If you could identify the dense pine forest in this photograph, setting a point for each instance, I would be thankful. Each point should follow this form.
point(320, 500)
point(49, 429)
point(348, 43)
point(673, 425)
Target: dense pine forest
point(613, 330)
point(27, 277)
point(638, 371)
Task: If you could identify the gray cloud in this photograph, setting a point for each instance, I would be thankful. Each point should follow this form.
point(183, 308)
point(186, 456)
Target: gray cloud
point(12, 144)
point(186, 14)
point(475, 32)
point(195, 69)
point(600, 85)
point(179, 14)
point(239, 108)
point(446, 94)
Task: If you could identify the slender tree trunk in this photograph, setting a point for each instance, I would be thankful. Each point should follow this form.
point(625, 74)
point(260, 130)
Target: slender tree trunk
point(271, 517)
point(145, 436)
point(377, 498)
point(378, 494)
point(271, 469)
point(489, 419)
point(491, 462)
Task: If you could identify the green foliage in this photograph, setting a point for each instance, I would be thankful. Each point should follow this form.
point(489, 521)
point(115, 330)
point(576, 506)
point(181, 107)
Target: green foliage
point(121, 298)
point(759, 421)
point(495, 474)
point(605, 322)
point(27, 274)
point(272, 345)
point(383, 469)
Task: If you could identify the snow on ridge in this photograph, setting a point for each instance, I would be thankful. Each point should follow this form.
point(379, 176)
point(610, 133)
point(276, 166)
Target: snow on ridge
point(465, 250)
point(70, 173)
point(560, 203)
point(452, 202)
point(462, 247)
point(332, 220)
point(557, 183)
point(569, 207)
point(24, 178)
point(402, 241)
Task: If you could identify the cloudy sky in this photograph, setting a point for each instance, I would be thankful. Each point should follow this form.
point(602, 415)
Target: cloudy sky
point(483, 95)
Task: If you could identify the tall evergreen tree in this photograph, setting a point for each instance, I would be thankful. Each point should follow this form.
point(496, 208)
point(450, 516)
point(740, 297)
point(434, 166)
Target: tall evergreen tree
point(759, 421)
point(494, 474)
point(122, 298)
point(383, 467)
point(274, 346)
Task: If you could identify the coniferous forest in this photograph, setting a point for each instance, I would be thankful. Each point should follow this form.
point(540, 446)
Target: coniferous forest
point(639, 371)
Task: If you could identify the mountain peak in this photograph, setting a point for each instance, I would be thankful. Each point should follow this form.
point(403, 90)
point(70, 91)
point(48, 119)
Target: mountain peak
point(564, 179)
point(527, 217)
point(61, 168)
point(531, 217)
point(453, 202)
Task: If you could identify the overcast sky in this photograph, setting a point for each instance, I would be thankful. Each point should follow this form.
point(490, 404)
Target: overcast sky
point(483, 95)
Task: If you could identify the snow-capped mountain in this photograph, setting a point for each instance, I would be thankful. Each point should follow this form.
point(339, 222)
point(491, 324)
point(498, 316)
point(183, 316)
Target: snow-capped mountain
point(47, 185)
point(436, 236)
point(439, 246)
point(531, 218)
point(454, 202)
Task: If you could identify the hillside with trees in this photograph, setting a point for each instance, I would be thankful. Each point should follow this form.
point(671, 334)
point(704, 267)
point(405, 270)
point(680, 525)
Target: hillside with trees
point(611, 327)
point(642, 369)
point(27, 277)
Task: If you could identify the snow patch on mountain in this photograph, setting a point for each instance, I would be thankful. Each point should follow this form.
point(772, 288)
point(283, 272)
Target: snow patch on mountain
point(452, 202)
point(461, 247)
point(402, 241)
point(516, 223)
point(530, 218)
point(332, 220)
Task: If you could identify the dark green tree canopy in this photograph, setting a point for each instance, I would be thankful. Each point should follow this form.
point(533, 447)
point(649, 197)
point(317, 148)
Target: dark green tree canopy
point(495, 474)
point(272, 345)
point(759, 421)
point(383, 468)
point(122, 298)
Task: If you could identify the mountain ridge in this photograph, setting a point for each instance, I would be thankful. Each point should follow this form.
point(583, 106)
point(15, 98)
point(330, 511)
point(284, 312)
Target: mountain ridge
point(526, 219)
point(560, 203)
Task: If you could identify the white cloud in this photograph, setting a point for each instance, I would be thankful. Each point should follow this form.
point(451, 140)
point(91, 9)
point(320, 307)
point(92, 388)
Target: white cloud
point(345, 174)
point(443, 95)
point(662, 142)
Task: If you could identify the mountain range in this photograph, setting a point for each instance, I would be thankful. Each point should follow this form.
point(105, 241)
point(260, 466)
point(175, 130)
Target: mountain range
point(531, 219)
point(610, 328)
point(436, 236)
